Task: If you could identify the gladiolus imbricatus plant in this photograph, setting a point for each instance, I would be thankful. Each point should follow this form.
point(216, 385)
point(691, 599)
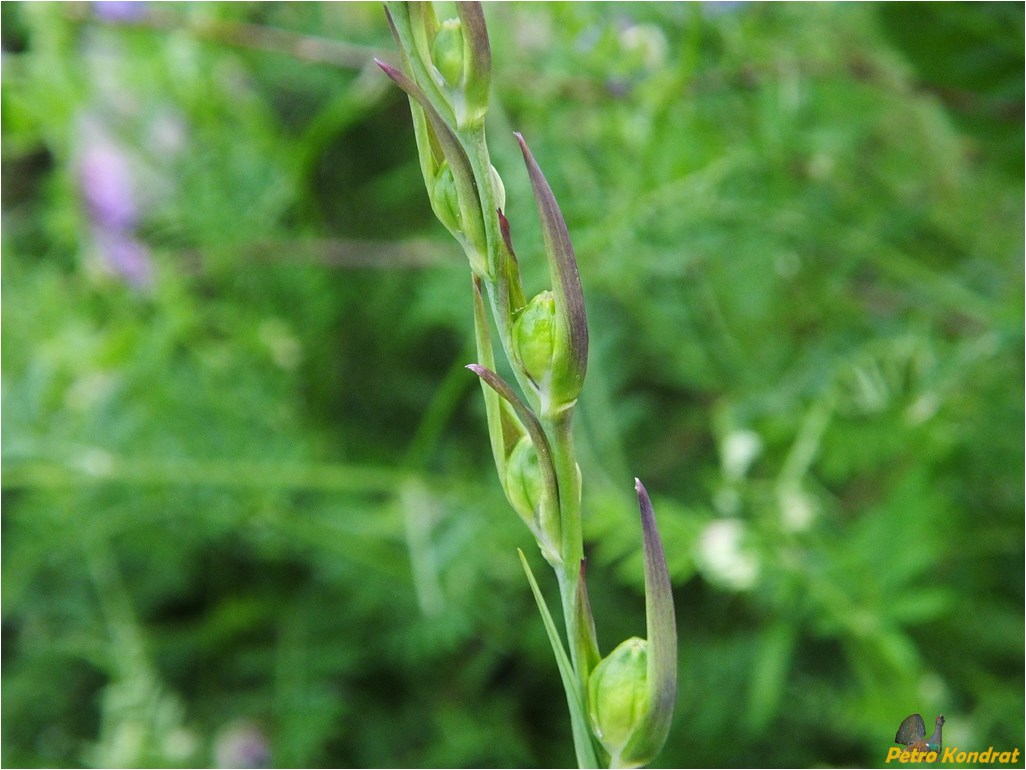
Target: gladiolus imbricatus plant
point(620, 706)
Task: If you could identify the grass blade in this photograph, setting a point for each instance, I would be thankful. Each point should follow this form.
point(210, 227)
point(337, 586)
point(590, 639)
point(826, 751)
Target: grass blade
point(574, 697)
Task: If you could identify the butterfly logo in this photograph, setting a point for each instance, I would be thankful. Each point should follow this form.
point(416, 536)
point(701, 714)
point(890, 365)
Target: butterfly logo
point(912, 734)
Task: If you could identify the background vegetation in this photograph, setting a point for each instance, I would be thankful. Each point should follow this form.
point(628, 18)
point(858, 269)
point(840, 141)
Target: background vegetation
point(250, 515)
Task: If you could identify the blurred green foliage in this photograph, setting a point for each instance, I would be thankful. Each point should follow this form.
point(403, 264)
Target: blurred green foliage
point(250, 513)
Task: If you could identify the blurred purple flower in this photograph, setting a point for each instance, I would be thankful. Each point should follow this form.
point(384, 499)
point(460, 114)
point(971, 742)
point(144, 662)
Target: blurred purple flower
point(119, 10)
point(242, 745)
point(125, 256)
point(107, 189)
point(108, 192)
point(717, 7)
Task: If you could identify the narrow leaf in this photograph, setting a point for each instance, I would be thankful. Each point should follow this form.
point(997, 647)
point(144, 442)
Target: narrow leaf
point(574, 697)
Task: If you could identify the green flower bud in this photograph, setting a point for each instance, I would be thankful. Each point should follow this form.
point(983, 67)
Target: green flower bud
point(633, 724)
point(447, 52)
point(632, 692)
point(445, 201)
point(570, 348)
point(534, 338)
point(618, 697)
point(525, 488)
point(524, 480)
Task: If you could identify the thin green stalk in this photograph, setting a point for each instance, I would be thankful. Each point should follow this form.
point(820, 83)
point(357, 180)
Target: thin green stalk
point(576, 701)
point(505, 294)
point(560, 436)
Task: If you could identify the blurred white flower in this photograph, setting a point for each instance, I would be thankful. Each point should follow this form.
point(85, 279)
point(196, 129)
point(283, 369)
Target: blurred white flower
point(284, 347)
point(723, 556)
point(738, 450)
point(647, 42)
point(797, 509)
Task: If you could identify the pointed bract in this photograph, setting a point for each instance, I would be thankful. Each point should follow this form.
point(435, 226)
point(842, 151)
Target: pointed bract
point(633, 690)
point(477, 66)
point(509, 262)
point(574, 697)
point(414, 26)
point(504, 428)
point(661, 623)
point(572, 322)
point(587, 641)
point(471, 232)
point(549, 513)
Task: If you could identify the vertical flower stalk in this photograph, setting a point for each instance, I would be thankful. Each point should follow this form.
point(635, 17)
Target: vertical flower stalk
point(621, 706)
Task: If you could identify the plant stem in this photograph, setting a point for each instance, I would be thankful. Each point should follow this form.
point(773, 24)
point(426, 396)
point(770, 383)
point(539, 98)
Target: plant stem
point(559, 431)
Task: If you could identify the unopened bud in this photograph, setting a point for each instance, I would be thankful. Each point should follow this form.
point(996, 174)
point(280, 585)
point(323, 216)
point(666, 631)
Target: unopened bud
point(445, 201)
point(525, 488)
point(571, 325)
point(618, 697)
point(534, 338)
point(447, 52)
point(524, 480)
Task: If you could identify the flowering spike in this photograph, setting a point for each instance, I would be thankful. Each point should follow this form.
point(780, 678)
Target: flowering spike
point(571, 358)
point(446, 72)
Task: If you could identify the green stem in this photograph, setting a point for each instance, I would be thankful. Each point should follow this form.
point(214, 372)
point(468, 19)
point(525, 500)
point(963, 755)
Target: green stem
point(560, 435)
point(476, 147)
point(499, 288)
point(559, 430)
point(568, 579)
